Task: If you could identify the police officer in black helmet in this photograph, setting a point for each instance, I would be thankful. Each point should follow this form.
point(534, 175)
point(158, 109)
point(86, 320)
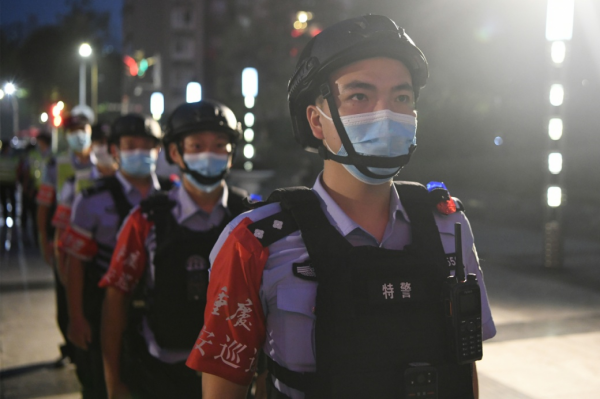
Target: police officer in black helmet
point(340, 285)
point(160, 264)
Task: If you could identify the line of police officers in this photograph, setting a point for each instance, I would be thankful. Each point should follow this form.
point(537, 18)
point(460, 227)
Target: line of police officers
point(104, 201)
point(132, 251)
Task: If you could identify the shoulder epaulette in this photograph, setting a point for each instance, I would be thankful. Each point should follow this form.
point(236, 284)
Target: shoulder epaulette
point(273, 228)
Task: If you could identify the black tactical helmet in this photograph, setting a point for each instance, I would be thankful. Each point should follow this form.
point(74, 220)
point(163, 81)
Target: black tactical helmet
point(339, 45)
point(101, 131)
point(134, 125)
point(205, 115)
point(197, 117)
point(75, 120)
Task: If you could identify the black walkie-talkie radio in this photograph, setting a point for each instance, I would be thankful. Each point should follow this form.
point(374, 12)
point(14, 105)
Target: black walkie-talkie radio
point(462, 305)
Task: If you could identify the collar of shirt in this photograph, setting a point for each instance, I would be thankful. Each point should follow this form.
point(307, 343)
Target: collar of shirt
point(76, 162)
point(345, 225)
point(187, 207)
point(129, 187)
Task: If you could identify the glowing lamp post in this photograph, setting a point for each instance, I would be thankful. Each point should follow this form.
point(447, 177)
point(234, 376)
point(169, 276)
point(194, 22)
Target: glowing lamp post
point(249, 91)
point(193, 92)
point(11, 91)
point(157, 105)
point(85, 50)
point(559, 31)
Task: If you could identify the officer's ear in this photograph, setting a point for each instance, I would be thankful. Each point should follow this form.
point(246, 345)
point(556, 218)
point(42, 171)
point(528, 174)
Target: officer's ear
point(175, 156)
point(314, 119)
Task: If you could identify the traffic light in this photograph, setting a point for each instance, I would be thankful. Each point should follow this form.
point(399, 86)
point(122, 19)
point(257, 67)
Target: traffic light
point(57, 113)
point(138, 66)
point(131, 64)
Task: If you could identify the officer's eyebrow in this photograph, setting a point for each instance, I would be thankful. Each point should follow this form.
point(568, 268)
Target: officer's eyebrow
point(403, 87)
point(357, 84)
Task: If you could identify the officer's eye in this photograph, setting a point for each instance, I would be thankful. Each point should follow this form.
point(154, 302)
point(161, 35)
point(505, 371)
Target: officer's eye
point(404, 98)
point(358, 97)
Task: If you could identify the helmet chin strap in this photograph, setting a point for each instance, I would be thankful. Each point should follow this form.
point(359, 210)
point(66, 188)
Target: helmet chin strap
point(200, 178)
point(362, 162)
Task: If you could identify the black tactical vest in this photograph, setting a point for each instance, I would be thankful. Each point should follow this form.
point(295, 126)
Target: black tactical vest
point(379, 311)
point(174, 303)
point(121, 205)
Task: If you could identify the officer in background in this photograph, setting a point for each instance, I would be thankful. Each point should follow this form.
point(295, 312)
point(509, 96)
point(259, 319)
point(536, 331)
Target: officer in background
point(89, 240)
point(34, 165)
point(379, 251)
point(162, 253)
point(9, 162)
point(65, 175)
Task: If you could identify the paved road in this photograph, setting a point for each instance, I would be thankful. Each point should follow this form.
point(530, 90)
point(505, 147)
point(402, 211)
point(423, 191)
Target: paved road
point(548, 341)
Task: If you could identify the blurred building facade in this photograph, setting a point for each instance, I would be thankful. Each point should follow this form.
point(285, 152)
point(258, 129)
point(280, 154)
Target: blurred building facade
point(169, 43)
point(163, 47)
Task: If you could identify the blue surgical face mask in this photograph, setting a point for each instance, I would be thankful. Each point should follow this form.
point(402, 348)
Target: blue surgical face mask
point(207, 164)
point(138, 163)
point(79, 140)
point(381, 133)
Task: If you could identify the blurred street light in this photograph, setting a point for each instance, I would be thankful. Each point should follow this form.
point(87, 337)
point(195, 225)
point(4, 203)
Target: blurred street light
point(85, 50)
point(554, 196)
point(559, 20)
point(157, 105)
point(249, 91)
point(10, 89)
point(193, 92)
point(557, 94)
point(558, 52)
point(555, 162)
point(249, 102)
point(249, 135)
point(44, 117)
point(555, 128)
point(559, 31)
point(249, 119)
point(249, 82)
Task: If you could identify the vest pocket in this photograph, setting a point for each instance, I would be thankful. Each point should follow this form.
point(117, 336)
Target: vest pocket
point(294, 331)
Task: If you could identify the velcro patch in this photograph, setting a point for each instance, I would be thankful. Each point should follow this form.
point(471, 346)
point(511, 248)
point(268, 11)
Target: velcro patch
point(304, 271)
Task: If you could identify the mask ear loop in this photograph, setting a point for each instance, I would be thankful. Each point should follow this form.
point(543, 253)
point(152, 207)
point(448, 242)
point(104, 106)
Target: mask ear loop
point(362, 162)
point(200, 178)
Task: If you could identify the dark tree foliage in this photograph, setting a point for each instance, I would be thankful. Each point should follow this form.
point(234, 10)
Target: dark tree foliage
point(46, 62)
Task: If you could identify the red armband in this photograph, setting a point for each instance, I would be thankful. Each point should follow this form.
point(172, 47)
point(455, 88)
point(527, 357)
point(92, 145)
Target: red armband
point(78, 243)
point(234, 322)
point(46, 195)
point(129, 258)
point(62, 216)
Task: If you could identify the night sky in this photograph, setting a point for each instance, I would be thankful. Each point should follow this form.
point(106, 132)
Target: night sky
point(46, 12)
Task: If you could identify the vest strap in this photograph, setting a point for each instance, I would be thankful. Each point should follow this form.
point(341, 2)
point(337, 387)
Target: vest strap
point(293, 379)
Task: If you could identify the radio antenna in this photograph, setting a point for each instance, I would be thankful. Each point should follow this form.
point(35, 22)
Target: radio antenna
point(460, 268)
